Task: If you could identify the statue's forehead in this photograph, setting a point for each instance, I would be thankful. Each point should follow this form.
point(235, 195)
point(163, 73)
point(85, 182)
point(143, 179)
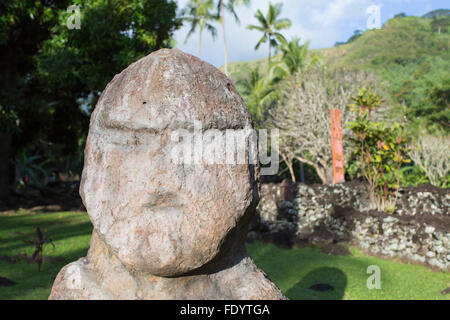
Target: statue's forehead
point(159, 119)
point(170, 91)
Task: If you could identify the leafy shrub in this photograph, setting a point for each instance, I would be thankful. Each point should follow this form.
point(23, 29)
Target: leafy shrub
point(413, 175)
point(380, 152)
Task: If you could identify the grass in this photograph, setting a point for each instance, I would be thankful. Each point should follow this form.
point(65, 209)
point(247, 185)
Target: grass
point(70, 233)
point(293, 270)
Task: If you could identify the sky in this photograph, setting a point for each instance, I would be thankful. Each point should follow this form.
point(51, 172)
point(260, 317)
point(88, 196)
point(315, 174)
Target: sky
point(321, 22)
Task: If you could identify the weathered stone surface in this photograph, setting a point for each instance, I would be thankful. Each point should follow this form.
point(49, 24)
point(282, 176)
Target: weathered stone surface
point(164, 230)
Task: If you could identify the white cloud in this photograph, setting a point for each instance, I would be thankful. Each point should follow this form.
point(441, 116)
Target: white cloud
point(339, 10)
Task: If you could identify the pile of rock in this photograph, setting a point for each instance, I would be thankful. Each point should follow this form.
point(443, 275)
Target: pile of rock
point(419, 230)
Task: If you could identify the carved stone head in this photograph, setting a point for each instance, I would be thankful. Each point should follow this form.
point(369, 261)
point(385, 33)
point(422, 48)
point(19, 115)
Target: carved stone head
point(155, 215)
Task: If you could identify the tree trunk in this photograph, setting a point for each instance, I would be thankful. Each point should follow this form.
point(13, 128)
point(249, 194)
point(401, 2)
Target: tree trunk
point(200, 45)
point(325, 174)
point(329, 175)
point(321, 174)
point(291, 171)
point(5, 148)
point(225, 50)
point(270, 53)
point(302, 172)
point(200, 37)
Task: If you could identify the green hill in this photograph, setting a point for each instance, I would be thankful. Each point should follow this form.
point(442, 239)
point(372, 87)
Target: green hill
point(409, 55)
point(401, 42)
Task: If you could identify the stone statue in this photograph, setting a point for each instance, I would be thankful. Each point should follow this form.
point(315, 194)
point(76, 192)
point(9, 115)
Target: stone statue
point(165, 230)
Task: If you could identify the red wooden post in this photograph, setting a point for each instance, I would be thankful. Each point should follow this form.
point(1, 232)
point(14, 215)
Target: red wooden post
point(337, 146)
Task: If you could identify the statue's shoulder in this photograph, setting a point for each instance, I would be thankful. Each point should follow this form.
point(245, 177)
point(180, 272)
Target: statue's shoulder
point(77, 281)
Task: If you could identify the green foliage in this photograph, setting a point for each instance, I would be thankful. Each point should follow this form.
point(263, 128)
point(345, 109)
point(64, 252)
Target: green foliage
point(407, 54)
point(421, 92)
point(24, 25)
point(413, 176)
point(295, 58)
point(436, 108)
point(259, 94)
point(366, 100)
point(122, 31)
point(441, 24)
point(52, 77)
point(380, 150)
point(356, 35)
point(437, 13)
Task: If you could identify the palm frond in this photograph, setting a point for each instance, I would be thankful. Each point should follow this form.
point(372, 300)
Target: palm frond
point(282, 24)
point(261, 41)
point(192, 30)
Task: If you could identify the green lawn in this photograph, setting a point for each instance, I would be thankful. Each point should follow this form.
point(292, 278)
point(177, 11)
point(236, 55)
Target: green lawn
point(70, 232)
point(293, 270)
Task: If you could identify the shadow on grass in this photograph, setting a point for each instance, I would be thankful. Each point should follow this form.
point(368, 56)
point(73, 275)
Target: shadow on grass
point(20, 228)
point(329, 283)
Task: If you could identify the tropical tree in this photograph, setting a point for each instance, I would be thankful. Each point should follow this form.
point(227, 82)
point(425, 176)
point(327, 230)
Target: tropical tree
point(228, 5)
point(259, 93)
point(24, 25)
point(441, 24)
point(50, 75)
point(199, 13)
point(303, 116)
point(270, 25)
point(71, 67)
point(295, 58)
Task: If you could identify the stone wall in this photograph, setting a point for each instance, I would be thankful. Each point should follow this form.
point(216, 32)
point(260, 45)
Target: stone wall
point(419, 231)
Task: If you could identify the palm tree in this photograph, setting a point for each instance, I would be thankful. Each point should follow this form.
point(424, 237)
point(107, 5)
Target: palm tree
point(228, 5)
point(270, 25)
point(295, 57)
point(199, 13)
point(258, 93)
